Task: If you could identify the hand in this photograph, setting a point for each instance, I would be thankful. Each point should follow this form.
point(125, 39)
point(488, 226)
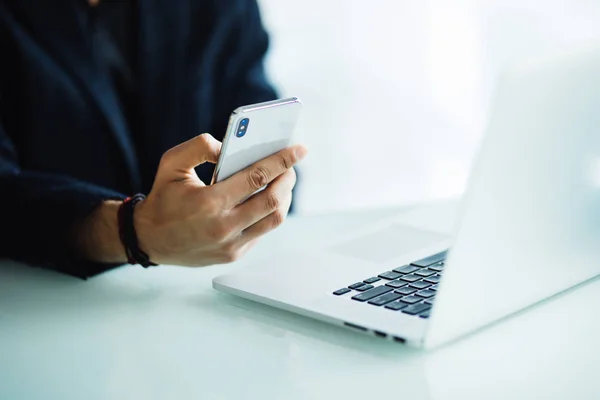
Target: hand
point(185, 222)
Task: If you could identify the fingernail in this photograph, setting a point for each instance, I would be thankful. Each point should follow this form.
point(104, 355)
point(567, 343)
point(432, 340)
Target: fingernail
point(301, 152)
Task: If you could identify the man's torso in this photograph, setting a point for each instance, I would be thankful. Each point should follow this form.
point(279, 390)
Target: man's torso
point(99, 95)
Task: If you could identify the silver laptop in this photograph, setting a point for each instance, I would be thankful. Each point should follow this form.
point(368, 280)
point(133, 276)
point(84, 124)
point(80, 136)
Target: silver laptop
point(529, 226)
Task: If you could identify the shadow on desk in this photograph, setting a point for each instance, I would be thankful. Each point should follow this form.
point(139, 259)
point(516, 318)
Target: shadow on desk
point(34, 290)
point(167, 331)
point(281, 324)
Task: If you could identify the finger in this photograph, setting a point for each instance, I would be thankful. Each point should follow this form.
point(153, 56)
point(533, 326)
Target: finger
point(268, 223)
point(245, 247)
point(250, 244)
point(273, 198)
point(240, 186)
point(183, 158)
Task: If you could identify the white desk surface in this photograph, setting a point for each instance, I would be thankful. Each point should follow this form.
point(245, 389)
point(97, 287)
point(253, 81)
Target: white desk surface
point(165, 333)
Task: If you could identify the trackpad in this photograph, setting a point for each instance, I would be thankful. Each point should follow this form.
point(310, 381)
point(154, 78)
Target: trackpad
point(388, 243)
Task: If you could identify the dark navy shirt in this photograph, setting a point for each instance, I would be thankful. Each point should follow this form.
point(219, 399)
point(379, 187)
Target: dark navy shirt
point(115, 31)
point(115, 37)
point(90, 99)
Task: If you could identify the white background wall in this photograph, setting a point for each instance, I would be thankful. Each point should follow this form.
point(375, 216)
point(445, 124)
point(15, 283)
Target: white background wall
point(396, 92)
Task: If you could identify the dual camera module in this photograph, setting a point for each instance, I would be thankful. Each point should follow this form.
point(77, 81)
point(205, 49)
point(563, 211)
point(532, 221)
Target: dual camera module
point(242, 127)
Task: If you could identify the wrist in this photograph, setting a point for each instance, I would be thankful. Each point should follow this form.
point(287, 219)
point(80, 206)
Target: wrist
point(145, 231)
point(128, 233)
point(97, 237)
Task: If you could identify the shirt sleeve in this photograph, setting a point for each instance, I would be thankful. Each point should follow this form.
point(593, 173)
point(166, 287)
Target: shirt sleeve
point(38, 211)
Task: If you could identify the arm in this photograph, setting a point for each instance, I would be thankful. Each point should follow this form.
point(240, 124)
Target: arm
point(187, 223)
point(38, 212)
point(71, 226)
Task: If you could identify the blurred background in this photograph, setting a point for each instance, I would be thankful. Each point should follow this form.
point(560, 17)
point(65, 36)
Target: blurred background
point(396, 93)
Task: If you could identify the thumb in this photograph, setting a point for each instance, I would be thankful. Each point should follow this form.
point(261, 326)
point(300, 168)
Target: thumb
point(180, 161)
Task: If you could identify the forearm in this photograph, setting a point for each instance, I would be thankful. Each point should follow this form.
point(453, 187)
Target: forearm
point(97, 237)
point(50, 221)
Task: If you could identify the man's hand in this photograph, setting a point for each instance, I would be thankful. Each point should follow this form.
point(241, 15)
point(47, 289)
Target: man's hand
point(185, 222)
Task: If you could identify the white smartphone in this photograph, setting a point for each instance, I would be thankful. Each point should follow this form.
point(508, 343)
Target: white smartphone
point(254, 132)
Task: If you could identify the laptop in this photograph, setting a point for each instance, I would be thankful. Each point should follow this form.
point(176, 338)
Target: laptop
point(528, 226)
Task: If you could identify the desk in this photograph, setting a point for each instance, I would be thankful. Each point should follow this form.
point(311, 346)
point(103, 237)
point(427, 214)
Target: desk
point(164, 333)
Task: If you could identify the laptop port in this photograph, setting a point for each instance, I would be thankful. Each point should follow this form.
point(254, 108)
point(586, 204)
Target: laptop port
point(399, 339)
point(360, 328)
point(380, 334)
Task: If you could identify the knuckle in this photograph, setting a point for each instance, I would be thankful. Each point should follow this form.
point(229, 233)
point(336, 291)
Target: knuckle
point(272, 201)
point(258, 177)
point(218, 231)
point(230, 253)
point(166, 159)
point(232, 257)
point(286, 160)
point(211, 205)
point(204, 140)
point(277, 218)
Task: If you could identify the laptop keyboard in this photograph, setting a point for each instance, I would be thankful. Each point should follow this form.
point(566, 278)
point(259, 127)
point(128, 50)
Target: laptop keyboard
point(410, 289)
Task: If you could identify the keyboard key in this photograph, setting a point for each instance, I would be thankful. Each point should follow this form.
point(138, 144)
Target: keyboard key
point(356, 285)
point(406, 291)
point(397, 284)
point(433, 279)
point(426, 293)
point(396, 305)
point(407, 269)
point(341, 291)
point(411, 278)
point(372, 280)
point(437, 267)
point(386, 298)
point(390, 275)
point(434, 259)
point(372, 293)
point(425, 272)
point(420, 285)
point(430, 301)
point(434, 287)
point(425, 314)
point(364, 288)
point(411, 299)
point(415, 309)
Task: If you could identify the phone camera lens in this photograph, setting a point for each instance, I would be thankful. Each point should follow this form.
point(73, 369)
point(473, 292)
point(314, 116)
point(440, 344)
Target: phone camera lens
point(242, 127)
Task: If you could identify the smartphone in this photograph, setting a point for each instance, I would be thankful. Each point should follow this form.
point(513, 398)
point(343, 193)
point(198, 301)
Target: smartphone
point(254, 132)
